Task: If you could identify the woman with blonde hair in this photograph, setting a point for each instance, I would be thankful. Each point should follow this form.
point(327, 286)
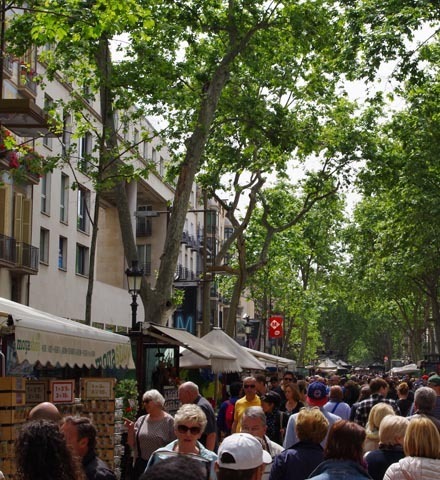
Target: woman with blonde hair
point(189, 424)
point(377, 414)
point(422, 449)
point(303, 457)
point(391, 435)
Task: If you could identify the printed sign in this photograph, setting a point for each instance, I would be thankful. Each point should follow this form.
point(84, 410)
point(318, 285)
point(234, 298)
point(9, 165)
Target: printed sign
point(276, 326)
point(62, 391)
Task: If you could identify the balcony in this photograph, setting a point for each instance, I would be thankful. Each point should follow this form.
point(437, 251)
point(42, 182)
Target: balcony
point(27, 259)
point(8, 251)
point(8, 66)
point(25, 81)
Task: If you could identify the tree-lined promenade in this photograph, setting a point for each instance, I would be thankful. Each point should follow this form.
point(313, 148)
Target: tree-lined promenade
point(249, 91)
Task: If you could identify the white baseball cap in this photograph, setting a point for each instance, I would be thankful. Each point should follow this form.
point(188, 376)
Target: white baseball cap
point(245, 452)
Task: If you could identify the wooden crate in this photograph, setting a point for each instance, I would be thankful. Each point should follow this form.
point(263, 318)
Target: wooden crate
point(12, 399)
point(12, 384)
point(8, 432)
point(11, 415)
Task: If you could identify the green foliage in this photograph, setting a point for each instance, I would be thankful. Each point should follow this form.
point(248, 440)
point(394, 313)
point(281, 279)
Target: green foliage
point(127, 389)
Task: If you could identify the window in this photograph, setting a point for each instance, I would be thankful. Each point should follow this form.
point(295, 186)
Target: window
point(44, 246)
point(211, 221)
point(48, 106)
point(45, 193)
point(82, 260)
point(144, 256)
point(83, 209)
point(64, 198)
point(145, 151)
point(161, 166)
point(62, 253)
point(67, 133)
point(136, 139)
point(85, 152)
point(153, 155)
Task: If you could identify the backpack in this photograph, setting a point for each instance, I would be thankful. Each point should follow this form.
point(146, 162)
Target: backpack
point(229, 415)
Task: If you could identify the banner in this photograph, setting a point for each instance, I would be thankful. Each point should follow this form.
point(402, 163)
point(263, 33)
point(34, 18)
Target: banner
point(276, 326)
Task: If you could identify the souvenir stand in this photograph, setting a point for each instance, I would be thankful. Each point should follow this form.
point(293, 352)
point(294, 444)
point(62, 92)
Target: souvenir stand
point(48, 358)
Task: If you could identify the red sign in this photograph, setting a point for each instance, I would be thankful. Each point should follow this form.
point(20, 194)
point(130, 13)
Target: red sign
point(276, 327)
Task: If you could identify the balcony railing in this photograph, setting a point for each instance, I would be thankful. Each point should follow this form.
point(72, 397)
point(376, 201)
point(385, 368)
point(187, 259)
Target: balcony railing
point(25, 81)
point(185, 274)
point(8, 250)
point(27, 258)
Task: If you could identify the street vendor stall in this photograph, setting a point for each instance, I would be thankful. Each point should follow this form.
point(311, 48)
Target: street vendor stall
point(49, 358)
point(34, 336)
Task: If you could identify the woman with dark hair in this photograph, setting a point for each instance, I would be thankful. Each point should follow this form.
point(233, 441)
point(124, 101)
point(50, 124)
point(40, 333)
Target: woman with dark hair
point(364, 393)
point(343, 454)
point(41, 453)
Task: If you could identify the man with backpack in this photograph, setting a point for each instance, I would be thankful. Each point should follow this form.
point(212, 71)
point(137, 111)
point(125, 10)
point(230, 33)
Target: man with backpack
point(225, 416)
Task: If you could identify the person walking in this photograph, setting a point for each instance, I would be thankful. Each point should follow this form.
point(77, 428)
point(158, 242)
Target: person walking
point(379, 389)
point(241, 456)
point(250, 399)
point(254, 422)
point(343, 454)
point(303, 457)
point(189, 424)
point(422, 449)
point(316, 397)
point(80, 434)
point(391, 435)
point(336, 403)
point(189, 393)
point(150, 431)
point(41, 453)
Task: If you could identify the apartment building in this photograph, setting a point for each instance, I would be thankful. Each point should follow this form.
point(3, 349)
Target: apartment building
point(45, 224)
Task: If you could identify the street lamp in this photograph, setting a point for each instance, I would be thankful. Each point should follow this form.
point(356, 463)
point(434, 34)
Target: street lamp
point(134, 279)
point(247, 328)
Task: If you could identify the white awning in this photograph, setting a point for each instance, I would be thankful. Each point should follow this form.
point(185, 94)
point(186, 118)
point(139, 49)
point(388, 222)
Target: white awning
point(202, 352)
point(46, 338)
point(226, 344)
point(272, 360)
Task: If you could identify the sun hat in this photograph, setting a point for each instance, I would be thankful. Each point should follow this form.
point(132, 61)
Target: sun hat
point(317, 394)
point(242, 451)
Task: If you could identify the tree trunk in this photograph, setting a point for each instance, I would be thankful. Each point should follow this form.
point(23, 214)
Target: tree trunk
point(91, 275)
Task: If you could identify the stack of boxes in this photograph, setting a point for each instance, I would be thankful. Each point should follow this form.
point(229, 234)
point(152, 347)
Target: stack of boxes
point(13, 413)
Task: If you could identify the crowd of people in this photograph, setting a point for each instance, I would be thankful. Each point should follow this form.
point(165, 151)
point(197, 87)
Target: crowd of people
point(285, 429)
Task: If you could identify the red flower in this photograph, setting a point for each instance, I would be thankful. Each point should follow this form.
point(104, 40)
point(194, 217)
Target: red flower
point(13, 160)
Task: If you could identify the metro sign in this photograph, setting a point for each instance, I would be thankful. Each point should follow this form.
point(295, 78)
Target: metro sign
point(276, 326)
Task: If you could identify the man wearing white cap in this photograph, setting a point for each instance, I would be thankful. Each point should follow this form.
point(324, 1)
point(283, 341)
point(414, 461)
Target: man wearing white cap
point(241, 455)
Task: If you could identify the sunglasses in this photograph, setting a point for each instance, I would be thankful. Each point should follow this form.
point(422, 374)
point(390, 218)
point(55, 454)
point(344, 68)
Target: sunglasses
point(184, 429)
point(288, 378)
point(249, 386)
point(146, 401)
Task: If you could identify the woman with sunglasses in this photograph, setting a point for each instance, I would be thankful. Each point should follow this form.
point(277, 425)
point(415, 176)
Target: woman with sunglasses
point(189, 423)
point(150, 432)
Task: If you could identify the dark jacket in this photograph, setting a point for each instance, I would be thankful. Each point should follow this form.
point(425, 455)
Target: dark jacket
point(379, 460)
point(297, 462)
point(96, 469)
point(339, 470)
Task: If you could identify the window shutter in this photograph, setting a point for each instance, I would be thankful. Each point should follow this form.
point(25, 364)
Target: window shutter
point(18, 217)
point(27, 220)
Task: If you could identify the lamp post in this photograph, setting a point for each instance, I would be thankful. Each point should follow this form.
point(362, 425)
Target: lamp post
point(247, 328)
point(134, 279)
